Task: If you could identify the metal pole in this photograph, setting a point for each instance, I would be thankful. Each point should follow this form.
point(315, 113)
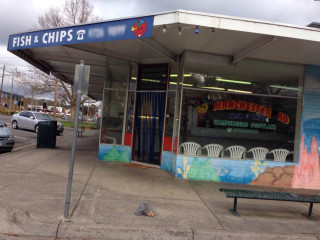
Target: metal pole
point(310, 211)
point(74, 139)
point(4, 67)
point(87, 111)
point(10, 103)
point(55, 99)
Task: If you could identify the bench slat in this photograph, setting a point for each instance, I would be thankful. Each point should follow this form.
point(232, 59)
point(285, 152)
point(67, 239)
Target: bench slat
point(266, 195)
point(281, 196)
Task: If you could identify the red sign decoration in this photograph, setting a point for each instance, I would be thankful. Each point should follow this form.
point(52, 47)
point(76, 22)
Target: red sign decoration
point(139, 28)
point(242, 106)
point(284, 118)
point(167, 143)
point(127, 139)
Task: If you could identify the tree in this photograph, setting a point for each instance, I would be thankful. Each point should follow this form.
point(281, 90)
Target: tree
point(36, 83)
point(90, 110)
point(72, 12)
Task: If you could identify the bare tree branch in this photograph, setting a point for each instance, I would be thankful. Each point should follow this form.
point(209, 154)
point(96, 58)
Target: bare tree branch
point(52, 18)
point(66, 90)
point(72, 12)
point(85, 99)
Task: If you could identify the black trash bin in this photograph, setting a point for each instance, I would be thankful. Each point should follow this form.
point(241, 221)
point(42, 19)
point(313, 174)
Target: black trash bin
point(47, 132)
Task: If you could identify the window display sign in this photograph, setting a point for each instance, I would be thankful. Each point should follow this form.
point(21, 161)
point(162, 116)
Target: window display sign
point(284, 118)
point(201, 105)
point(241, 124)
point(242, 106)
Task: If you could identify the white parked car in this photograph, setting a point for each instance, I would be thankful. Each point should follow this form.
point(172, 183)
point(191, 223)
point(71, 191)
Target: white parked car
point(29, 120)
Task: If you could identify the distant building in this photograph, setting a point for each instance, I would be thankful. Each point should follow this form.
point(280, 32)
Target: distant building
point(17, 101)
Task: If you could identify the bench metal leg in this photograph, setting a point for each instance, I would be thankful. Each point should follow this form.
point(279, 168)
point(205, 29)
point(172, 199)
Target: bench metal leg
point(310, 211)
point(234, 210)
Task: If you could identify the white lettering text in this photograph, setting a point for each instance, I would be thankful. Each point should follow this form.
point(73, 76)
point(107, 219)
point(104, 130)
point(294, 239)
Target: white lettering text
point(69, 35)
point(62, 35)
point(44, 40)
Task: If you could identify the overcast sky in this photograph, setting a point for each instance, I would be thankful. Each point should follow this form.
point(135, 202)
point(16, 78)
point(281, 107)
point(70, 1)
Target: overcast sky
point(20, 15)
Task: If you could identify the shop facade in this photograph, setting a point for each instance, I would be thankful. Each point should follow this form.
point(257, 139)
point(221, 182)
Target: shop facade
point(205, 97)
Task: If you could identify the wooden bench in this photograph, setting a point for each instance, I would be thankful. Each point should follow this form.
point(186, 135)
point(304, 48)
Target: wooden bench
point(80, 131)
point(266, 195)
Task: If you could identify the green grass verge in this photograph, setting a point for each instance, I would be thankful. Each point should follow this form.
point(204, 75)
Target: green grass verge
point(85, 125)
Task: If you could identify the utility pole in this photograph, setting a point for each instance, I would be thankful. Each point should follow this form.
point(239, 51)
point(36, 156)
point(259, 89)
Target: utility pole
point(10, 103)
point(55, 99)
point(4, 67)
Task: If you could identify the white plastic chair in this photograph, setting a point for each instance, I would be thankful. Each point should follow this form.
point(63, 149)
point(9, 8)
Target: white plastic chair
point(236, 151)
point(280, 154)
point(111, 138)
point(191, 148)
point(259, 153)
point(213, 150)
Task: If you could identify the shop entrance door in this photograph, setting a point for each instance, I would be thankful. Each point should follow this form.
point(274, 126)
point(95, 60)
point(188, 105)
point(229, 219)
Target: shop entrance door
point(150, 113)
point(149, 126)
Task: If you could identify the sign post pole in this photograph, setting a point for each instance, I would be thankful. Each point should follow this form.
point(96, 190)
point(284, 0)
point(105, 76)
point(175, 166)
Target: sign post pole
point(74, 139)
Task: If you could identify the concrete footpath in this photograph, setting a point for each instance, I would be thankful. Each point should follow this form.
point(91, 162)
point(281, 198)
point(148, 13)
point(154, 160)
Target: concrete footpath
point(105, 196)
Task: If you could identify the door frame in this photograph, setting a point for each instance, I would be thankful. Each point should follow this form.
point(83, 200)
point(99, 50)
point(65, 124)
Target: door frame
point(134, 132)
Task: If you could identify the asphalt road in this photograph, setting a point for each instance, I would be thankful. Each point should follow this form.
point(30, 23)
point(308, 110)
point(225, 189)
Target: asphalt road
point(24, 137)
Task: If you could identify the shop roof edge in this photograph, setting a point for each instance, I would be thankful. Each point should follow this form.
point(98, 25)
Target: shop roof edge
point(187, 12)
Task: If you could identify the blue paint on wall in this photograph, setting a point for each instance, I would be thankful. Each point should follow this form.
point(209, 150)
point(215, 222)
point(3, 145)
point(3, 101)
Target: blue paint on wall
point(224, 170)
point(310, 119)
point(167, 161)
point(114, 153)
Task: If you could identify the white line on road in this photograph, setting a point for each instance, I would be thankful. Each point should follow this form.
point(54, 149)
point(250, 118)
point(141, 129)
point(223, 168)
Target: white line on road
point(23, 138)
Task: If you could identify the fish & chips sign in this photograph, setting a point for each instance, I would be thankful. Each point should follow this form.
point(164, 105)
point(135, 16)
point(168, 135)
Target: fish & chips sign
point(97, 32)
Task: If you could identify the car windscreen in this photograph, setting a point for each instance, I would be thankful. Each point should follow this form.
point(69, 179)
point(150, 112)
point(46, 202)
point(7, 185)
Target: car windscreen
point(41, 116)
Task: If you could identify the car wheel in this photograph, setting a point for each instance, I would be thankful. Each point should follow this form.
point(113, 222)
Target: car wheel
point(15, 125)
point(36, 128)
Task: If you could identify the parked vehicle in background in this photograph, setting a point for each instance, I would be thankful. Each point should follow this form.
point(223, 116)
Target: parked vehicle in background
point(66, 117)
point(29, 120)
point(6, 138)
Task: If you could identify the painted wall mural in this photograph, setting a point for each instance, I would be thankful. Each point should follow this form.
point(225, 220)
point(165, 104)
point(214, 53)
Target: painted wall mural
point(279, 176)
point(307, 172)
point(227, 170)
point(168, 161)
point(114, 153)
point(259, 167)
point(185, 170)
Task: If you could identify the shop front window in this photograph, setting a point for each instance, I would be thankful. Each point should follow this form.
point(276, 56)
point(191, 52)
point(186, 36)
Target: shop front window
point(152, 77)
point(173, 77)
point(231, 119)
point(112, 116)
point(130, 119)
point(248, 76)
point(133, 77)
point(256, 106)
point(169, 121)
point(117, 74)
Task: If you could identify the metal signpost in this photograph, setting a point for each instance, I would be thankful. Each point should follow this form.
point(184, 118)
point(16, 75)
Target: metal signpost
point(85, 79)
point(74, 138)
